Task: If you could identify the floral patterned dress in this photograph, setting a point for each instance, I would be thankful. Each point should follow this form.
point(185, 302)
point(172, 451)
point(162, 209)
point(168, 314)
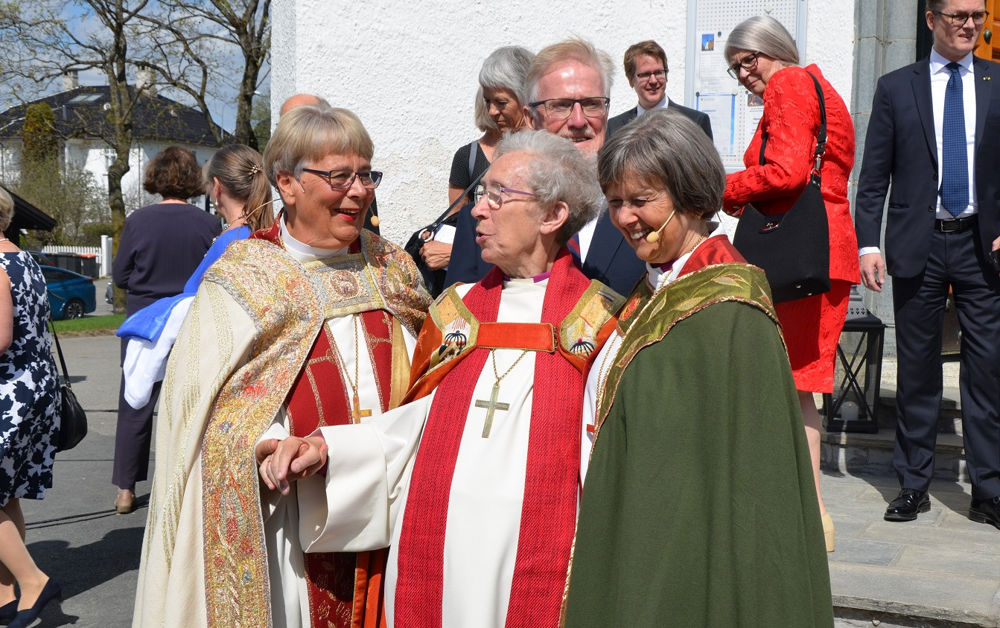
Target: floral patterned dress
point(29, 403)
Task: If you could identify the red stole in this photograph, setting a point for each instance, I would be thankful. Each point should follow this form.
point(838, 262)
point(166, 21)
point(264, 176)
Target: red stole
point(345, 589)
point(548, 512)
point(715, 250)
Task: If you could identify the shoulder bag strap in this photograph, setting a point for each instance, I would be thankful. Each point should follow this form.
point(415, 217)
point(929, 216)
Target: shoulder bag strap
point(432, 228)
point(820, 133)
point(62, 360)
point(473, 151)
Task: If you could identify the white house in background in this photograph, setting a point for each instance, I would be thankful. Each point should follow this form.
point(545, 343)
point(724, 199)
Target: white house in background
point(80, 114)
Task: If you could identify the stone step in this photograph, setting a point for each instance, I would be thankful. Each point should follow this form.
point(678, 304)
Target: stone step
point(871, 454)
point(940, 570)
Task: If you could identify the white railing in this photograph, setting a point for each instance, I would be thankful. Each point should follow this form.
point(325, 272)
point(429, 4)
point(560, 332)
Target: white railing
point(79, 250)
point(102, 253)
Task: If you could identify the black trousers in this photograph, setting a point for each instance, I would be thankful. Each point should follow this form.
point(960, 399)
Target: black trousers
point(956, 260)
point(133, 436)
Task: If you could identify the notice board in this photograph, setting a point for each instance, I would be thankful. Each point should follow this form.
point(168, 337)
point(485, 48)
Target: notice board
point(733, 110)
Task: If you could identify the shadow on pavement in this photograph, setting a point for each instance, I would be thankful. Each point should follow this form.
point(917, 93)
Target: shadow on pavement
point(80, 569)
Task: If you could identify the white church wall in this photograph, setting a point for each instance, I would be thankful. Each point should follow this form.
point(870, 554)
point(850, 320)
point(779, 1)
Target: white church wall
point(409, 70)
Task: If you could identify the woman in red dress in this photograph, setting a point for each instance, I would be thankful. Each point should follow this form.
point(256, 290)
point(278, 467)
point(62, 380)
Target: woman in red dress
point(763, 57)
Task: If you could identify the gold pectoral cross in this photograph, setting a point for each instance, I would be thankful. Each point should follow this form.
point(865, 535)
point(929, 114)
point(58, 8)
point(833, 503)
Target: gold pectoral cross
point(491, 406)
point(356, 411)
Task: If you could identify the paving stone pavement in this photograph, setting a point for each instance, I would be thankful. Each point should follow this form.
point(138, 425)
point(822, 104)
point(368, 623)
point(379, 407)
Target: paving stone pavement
point(941, 570)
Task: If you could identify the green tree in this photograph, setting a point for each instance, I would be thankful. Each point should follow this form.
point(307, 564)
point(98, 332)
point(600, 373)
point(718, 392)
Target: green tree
point(40, 142)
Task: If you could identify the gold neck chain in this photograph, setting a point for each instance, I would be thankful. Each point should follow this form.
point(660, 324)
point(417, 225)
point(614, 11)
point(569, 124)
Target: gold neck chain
point(492, 405)
point(493, 361)
point(356, 411)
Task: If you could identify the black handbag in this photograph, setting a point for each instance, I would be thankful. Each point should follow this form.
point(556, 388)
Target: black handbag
point(793, 248)
point(72, 418)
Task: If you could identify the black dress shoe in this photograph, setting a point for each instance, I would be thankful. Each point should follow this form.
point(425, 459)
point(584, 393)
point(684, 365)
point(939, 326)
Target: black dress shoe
point(28, 615)
point(986, 511)
point(907, 505)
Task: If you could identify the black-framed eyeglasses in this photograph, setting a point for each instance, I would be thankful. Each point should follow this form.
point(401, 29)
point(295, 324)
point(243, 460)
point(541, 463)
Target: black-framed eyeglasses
point(747, 63)
point(959, 19)
point(645, 76)
point(493, 198)
point(559, 108)
point(344, 179)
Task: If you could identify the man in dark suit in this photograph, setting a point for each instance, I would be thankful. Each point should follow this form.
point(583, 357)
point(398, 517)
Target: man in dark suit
point(646, 71)
point(568, 86)
point(933, 137)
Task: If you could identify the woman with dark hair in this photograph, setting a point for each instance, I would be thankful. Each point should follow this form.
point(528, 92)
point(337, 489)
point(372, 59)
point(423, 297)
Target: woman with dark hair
point(698, 507)
point(779, 160)
point(29, 411)
point(238, 188)
point(160, 247)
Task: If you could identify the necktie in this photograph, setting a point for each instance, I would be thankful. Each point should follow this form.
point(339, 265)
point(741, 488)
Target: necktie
point(574, 248)
point(954, 157)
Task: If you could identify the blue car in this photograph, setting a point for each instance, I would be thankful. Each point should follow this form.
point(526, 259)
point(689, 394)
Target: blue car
point(71, 295)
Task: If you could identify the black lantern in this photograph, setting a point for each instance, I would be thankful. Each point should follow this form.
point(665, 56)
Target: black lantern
point(853, 406)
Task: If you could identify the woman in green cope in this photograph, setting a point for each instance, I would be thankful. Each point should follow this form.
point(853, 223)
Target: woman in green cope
point(699, 507)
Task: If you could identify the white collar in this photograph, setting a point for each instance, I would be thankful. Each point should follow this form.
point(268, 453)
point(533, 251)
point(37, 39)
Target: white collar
point(938, 62)
point(302, 251)
point(663, 104)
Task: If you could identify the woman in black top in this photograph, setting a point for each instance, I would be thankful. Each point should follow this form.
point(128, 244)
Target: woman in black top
point(160, 247)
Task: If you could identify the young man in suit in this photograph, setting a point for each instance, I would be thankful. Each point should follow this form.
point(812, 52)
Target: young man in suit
point(646, 71)
point(931, 145)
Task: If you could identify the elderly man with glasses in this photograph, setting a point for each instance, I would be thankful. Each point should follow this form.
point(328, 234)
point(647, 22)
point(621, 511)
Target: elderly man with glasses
point(569, 86)
point(646, 70)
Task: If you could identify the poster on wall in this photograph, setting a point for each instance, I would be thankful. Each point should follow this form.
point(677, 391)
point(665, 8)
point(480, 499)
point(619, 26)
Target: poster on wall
point(733, 110)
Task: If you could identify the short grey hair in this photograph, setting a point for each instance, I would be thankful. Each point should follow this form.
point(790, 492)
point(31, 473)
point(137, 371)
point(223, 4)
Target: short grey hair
point(763, 33)
point(310, 133)
point(558, 172)
point(484, 122)
point(507, 68)
point(666, 149)
point(6, 209)
point(575, 50)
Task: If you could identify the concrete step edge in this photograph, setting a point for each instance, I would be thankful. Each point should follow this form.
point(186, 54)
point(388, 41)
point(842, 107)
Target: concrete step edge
point(885, 611)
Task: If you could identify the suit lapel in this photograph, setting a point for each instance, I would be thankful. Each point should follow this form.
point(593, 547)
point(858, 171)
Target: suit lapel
point(602, 246)
point(921, 84)
point(984, 86)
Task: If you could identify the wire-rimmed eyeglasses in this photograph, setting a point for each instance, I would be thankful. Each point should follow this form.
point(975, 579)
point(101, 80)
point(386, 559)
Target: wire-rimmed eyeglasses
point(493, 198)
